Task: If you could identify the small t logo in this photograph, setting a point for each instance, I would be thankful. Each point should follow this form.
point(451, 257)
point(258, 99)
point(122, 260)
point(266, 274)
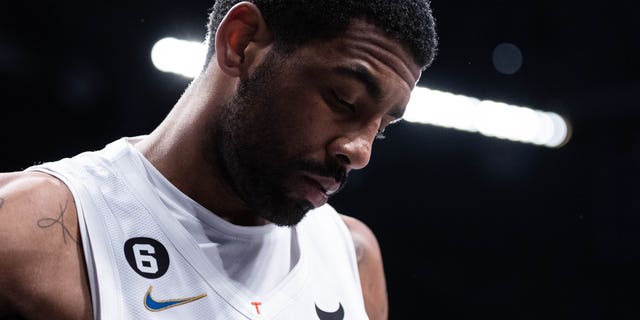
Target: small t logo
point(257, 304)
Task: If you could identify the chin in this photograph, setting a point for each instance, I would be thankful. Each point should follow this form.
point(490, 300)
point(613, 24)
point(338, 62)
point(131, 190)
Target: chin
point(289, 215)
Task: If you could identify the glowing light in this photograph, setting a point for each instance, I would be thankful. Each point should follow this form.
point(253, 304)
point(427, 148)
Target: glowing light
point(179, 56)
point(444, 109)
point(490, 118)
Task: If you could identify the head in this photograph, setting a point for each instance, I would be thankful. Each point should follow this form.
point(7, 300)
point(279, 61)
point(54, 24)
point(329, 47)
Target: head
point(308, 105)
point(296, 22)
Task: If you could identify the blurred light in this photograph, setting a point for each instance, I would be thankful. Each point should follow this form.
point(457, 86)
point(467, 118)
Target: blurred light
point(507, 58)
point(490, 118)
point(179, 56)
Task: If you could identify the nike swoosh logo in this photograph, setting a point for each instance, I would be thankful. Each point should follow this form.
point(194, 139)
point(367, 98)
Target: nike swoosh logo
point(336, 315)
point(160, 305)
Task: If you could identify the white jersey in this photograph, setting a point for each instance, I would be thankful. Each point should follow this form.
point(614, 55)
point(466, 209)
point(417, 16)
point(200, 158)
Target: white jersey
point(145, 262)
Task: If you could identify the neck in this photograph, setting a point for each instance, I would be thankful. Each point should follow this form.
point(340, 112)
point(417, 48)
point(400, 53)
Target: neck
point(181, 148)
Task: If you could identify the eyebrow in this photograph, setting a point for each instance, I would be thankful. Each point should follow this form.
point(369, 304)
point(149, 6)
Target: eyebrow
point(363, 75)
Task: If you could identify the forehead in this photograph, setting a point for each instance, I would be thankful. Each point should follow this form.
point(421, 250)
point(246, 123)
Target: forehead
point(365, 45)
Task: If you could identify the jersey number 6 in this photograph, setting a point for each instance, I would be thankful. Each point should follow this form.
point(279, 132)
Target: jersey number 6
point(147, 257)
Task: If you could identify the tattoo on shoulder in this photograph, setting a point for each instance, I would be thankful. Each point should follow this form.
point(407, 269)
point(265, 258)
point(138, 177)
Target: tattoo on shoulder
point(1, 203)
point(45, 223)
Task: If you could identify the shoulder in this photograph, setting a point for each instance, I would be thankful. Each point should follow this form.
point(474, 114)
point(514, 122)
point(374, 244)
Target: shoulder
point(38, 237)
point(364, 239)
point(370, 268)
point(26, 199)
point(27, 195)
point(22, 185)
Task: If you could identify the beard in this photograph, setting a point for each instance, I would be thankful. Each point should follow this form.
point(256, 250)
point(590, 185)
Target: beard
point(252, 149)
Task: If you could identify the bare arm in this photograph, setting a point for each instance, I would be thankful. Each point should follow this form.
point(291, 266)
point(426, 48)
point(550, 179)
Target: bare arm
point(371, 269)
point(40, 255)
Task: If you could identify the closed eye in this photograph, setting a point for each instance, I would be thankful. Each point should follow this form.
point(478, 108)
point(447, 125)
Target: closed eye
point(342, 103)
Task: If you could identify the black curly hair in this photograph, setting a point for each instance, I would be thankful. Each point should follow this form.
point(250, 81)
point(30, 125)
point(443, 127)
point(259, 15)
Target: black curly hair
point(294, 22)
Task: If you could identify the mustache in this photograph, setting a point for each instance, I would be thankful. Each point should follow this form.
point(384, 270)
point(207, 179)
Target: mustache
point(330, 168)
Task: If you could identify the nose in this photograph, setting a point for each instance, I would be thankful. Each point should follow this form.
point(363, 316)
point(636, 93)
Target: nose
point(353, 151)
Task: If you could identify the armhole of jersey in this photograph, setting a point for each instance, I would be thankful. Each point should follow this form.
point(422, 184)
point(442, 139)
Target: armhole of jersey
point(350, 245)
point(109, 292)
point(333, 219)
point(354, 259)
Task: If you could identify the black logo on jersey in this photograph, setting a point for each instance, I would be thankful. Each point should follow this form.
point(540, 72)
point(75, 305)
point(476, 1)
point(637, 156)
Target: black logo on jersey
point(146, 256)
point(336, 315)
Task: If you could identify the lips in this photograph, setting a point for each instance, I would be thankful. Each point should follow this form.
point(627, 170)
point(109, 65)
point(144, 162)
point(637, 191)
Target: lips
point(328, 185)
point(317, 189)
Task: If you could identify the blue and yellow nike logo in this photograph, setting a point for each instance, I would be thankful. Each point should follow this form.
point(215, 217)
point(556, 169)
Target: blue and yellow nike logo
point(159, 305)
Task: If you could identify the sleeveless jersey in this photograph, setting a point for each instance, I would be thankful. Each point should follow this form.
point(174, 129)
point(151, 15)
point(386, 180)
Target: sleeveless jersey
point(143, 264)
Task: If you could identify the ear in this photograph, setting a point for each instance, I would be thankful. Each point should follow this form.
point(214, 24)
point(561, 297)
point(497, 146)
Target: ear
point(241, 29)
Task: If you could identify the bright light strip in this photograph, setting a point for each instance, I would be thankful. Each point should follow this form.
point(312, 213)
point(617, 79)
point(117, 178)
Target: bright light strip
point(490, 118)
point(427, 106)
point(182, 57)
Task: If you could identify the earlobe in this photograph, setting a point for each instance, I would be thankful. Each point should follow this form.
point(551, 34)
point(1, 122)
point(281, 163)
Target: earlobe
point(242, 29)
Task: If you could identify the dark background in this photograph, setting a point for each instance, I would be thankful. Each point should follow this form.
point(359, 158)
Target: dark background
point(470, 227)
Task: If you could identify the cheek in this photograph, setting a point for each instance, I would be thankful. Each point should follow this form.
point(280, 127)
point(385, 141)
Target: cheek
point(305, 122)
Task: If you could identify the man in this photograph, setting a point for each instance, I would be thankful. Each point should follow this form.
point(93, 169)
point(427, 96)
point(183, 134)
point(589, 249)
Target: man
point(220, 212)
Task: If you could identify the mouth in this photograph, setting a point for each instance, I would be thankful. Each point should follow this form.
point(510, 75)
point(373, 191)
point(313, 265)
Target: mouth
point(328, 185)
point(317, 189)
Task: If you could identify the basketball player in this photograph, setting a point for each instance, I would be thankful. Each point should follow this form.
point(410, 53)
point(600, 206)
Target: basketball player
point(220, 212)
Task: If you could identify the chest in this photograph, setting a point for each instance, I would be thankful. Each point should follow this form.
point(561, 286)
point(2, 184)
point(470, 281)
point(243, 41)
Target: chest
point(144, 265)
point(160, 278)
